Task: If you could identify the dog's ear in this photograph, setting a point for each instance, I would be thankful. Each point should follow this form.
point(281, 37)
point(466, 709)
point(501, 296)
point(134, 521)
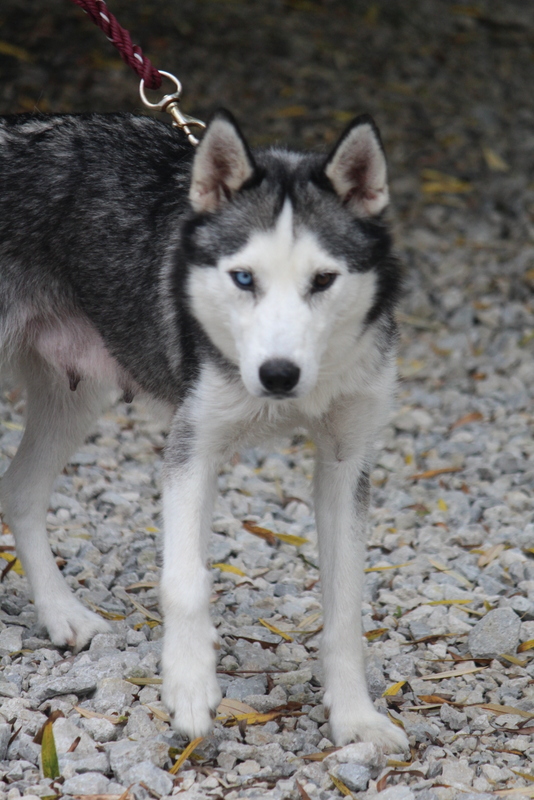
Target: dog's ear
point(222, 164)
point(357, 168)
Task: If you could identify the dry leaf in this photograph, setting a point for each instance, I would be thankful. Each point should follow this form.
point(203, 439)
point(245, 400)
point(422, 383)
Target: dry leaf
point(434, 473)
point(444, 568)
point(291, 111)
point(438, 676)
point(150, 623)
point(14, 563)
point(340, 786)
point(436, 182)
point(231, 708)
point(498, 709)
point(263, 533)
point(84, 712)
point(271, 536)
point(159, 713)
point(12, 426)
point(148, 614)
point(74, 745)
point(513, 660)
point(144, 681)
point(49, 761)
point(254, 719)
point(320, 755)
point(126, 795)
point(526, 646)
point(381, 784)
point(432, 698)
point(273, 629)
point(229, 568)
point(395, 720)
point(475, 416)
point(494, 160)
point(389, 566)
point(491, 554)
point(302, 791)
point(309, 620)
point(185, 755)
point(524, 775)
point(447, 602)
point(142, 585)
point(288, 538)
point(38, 738)
point(103, 613)
point(375, 634)
point(7, 49)
point(394, 689)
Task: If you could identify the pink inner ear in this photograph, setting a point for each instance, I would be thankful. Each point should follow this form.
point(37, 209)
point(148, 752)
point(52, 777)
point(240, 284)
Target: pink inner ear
point(220, 163)
point(358, 178)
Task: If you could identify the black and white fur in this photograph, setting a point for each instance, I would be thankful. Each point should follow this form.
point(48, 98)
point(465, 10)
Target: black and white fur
point(251, 293)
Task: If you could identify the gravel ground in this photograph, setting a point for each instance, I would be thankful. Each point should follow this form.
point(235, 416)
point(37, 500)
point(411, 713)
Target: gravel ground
point(450, 582)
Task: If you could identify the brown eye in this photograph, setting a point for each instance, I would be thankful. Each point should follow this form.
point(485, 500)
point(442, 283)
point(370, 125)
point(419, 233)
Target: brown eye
point(323, 280)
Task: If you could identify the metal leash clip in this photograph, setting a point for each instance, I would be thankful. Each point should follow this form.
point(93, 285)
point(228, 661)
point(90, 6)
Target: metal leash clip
point(170, 104)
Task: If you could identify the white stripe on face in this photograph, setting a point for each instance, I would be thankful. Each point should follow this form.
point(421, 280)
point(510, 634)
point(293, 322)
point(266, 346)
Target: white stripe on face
point(282, 319)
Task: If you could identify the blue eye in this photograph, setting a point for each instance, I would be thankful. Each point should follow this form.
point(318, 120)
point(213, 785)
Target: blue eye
point(243, 279)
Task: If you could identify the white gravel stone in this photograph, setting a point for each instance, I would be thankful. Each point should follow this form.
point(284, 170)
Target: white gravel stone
point(125, 754)
point(153, 777)
point(249, 767)
point(87, 783)
point(355, 776)
point(10, 640)
point(452, 717)
point(5, 736)
point(397, 793)
point(114, 695)
point(496, 633)
point(363, 753)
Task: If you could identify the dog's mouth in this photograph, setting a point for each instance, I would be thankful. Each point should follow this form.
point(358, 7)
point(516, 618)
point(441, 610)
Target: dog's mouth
point(280, 395)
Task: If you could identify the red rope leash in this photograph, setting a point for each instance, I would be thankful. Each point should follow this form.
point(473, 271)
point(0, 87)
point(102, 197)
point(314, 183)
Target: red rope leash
point(120, 38)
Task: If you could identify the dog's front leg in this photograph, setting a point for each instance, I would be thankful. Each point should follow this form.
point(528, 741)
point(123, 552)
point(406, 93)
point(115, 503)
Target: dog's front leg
point(341, 498)
point(190, 688)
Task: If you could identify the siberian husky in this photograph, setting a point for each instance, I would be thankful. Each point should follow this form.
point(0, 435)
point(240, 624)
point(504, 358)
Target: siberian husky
point(252, 292)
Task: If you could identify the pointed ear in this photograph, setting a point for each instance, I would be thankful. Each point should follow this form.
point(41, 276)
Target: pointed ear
point(357, 168)
point(222, 164)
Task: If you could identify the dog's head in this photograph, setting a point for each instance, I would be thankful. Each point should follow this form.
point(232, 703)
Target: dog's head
point(288, 259)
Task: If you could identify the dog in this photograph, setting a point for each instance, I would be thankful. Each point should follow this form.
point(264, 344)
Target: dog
point(252, 293)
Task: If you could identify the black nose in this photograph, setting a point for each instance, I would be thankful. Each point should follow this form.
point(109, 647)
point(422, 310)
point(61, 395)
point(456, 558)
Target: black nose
point(279, 376)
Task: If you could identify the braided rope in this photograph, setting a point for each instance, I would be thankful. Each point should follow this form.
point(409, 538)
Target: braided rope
point(120, 38)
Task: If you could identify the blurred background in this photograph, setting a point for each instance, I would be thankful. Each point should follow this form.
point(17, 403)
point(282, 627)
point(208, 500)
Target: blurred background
point(450, 86)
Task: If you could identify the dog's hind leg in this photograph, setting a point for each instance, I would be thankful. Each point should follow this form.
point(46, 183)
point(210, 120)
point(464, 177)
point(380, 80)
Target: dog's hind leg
point(57, 420)
point(344, 441)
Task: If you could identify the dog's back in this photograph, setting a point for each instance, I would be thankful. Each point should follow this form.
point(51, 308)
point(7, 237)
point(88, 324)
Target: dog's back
point(87, 207)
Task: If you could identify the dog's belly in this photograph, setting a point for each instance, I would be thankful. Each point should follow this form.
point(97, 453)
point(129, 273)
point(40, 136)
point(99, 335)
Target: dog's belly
point(73, 347)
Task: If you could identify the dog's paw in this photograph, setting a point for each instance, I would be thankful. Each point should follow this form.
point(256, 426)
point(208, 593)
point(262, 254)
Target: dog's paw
point(190, 689)
point(70, 624)
point(192, 704)
point(370, 726)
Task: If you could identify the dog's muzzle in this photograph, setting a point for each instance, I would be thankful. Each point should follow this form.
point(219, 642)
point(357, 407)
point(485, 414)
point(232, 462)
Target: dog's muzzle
point(279, 376)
